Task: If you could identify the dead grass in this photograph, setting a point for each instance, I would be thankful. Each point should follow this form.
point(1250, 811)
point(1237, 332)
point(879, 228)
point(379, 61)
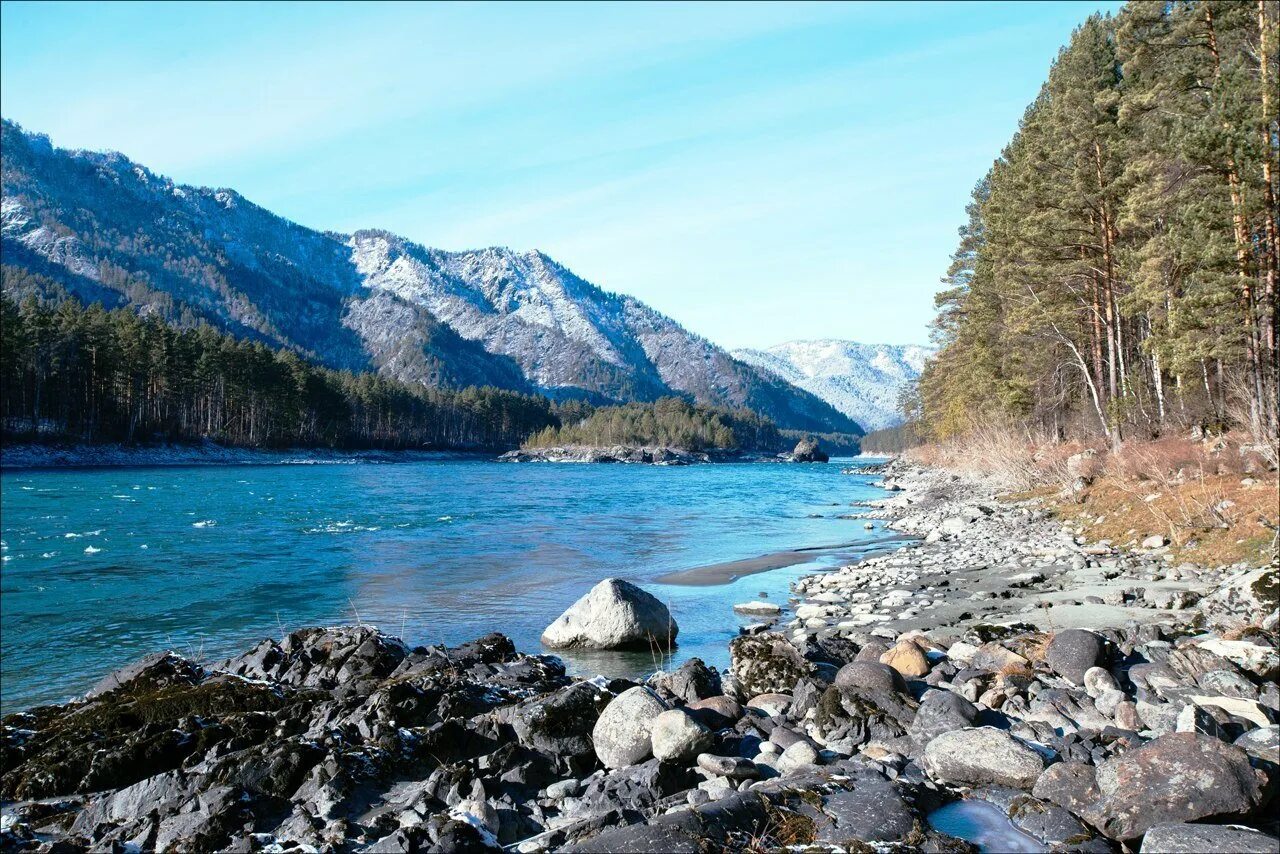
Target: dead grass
point(1216, 499)
point(1015, 668)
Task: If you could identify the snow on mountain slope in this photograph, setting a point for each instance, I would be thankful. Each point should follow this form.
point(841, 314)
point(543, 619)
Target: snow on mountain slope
point(107, 229)
point(860, 380)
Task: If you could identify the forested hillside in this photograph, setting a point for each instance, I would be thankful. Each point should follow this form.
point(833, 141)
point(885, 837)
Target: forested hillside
point(1117, 275)
point(670, 421)
point(96, 375)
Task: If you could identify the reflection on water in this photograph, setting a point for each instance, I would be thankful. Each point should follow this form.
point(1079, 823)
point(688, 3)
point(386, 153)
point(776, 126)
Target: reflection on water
point(101, 566)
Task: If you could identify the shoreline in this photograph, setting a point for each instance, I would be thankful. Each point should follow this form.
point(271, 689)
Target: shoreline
point(939, 673)
point(32, 456)
point(715, 574)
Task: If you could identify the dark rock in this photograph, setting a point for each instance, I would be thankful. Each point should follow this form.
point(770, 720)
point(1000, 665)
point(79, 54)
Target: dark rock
point(807, 451)
point(871, 675)
point(716, 712)
point(688, 683)
point(872, 811)
point(939, 712)
point(1072, 652)
point(560, 724)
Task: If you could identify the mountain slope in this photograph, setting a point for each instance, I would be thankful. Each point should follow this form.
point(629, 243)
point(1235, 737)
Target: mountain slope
point(108, 229)
point(860, 380)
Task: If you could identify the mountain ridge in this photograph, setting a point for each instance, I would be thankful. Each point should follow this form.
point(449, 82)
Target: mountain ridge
point(108, 228)
point(861, 380)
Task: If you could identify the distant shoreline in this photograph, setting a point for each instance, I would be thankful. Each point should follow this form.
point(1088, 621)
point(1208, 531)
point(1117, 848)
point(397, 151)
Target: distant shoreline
point(35, 456)
point(715, 574)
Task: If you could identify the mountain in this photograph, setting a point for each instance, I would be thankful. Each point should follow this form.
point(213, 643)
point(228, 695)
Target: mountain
point(860, 380)
point(108, 229)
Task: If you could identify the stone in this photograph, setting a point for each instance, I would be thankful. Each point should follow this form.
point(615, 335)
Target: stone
point(807, 451)
point(774, 705)
point(615, 614)
point(1070, 785)
point(982, 756)
point(1249, 710)
point(939, 712)
point(872, 811)
point(1261, 661)
point(1072, 652)
point(758, 609)
point(1175, 778)
point(1155, 541)
point(993, 656)
point(766, 664)
point(799, 755)
point(690, 682)
point(560, 723)
point(623, 734)
point(1098, 680)
point(1262, 744)
point(871, 675)
point(716, 712)
point(733, 767)
point(678, 736)
point(907, 659)
point(1199, 838)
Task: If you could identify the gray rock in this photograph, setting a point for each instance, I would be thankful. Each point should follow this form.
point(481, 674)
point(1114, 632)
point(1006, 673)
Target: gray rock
point(716, 712)
point(807, 451)
point(1262, 743)
point(871, 675)
point(623, 734)
point(1072, 652)
point(615, 614)
point(1175, 778)
point(678, 736)
point(1199, 838)
point(982, 756)
point(1098, 680)
point(799, 755)
point(690, 682)
point(939, 712)
point(1070, 785)
point(873, 811)
point(733, 767)
point(560, 723)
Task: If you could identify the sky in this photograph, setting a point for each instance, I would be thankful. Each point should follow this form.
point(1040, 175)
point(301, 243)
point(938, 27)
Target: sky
point(760, 172)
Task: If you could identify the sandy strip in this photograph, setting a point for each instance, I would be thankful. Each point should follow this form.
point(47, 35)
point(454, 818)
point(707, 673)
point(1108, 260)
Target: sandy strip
point(724, 573)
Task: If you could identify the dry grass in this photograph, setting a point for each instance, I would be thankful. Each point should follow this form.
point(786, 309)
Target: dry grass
point(1217, 500)
point(1015, 668)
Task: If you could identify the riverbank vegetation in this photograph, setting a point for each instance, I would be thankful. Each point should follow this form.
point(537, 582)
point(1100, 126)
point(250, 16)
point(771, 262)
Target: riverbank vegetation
point(1117, 275)
point(668, 422)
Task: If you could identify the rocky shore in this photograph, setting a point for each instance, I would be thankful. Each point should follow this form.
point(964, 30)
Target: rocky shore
point(1090, 699)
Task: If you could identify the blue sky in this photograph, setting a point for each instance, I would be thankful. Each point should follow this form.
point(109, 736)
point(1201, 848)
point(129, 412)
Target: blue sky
point(759, 172)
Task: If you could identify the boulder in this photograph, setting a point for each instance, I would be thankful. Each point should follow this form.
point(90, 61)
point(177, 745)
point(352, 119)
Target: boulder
point(615, 614)
point(1177, 777)
point(982, 756)
point(559, 724)
point(907, 659)
point(807, 451)
point(716, 712)
point(766, 664)
point(623, 734)
point(1199, 838)
point(678, 736)
point(690, 682)
point(871, 675)
point(1072, 652)
point(733, 767)
point(939, 712)
point(800, 754)
point(872, 811)
point(758, 608)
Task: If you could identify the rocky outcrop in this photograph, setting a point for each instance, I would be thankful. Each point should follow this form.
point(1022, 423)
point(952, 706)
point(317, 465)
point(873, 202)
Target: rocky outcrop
point(982, 756)
point(807, 451)
point(615, 614)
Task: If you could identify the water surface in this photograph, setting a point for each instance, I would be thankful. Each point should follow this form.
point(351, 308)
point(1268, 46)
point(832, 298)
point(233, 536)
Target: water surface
point(104, 565)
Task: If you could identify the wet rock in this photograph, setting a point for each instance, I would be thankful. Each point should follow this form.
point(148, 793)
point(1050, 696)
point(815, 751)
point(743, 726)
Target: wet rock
point(149, 674)
point(1072, 652)
point(1199, 838)
point(982, 756)
point(678, 736)
point(872, 811)
point(615, 614)
point(623, 733)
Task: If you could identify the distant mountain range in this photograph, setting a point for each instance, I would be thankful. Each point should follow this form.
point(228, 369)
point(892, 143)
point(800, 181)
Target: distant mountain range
point(107, 229)
point(860, 380)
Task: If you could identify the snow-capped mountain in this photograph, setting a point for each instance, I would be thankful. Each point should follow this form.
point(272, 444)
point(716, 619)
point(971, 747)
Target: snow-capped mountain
point(103, 228)
point(860, 380)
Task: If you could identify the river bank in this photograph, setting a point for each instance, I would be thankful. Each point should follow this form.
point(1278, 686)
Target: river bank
point(929, 675)
point(15, 456)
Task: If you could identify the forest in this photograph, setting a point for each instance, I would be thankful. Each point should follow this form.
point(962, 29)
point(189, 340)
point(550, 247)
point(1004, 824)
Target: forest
point(72, 373)
point(89, 374)
point(669, 421)
point(1117, 274)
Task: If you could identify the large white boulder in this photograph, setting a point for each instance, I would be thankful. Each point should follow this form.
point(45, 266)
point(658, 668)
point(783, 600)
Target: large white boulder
point(615, 614)
point(623, 734)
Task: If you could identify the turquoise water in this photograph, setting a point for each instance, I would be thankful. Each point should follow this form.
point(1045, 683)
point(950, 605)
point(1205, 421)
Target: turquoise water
point(104, 565)
point(985, 825)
